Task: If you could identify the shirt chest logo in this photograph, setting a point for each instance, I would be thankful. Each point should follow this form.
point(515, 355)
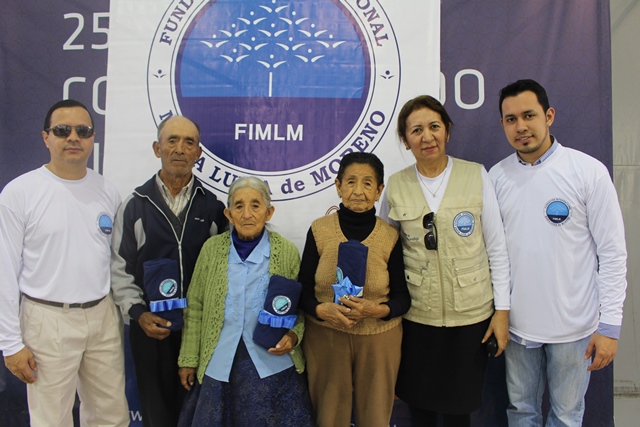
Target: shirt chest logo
point(105, 224)
point(557, 211)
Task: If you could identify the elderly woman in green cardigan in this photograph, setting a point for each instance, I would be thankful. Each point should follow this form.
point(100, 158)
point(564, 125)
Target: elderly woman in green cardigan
point(233, 381)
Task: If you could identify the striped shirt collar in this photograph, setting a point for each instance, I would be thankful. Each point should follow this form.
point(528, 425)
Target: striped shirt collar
point(177, 203)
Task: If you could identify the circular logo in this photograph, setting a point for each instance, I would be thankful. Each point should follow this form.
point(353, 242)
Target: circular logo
point(557, 211)
point(105, 224)
point(464, 223)
point(168, 287)
point(281, 89)
point(281, 304)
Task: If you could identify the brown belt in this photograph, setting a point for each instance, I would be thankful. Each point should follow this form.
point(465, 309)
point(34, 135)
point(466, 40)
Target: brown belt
point(65, 305)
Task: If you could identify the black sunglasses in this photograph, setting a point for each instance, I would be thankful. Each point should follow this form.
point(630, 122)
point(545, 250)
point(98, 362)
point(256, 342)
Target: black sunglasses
point(431, 238)
point(64, 131)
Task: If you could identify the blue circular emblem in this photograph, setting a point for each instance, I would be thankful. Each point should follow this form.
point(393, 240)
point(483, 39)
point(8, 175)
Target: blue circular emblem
point(278, 74)
point(105, 224)
point(168, 287)
point(464, 223)
point(557, 211)
point(281, 304)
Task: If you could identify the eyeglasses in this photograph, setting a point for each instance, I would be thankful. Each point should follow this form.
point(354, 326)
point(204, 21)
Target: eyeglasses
point(64, 131)
point(431, 238)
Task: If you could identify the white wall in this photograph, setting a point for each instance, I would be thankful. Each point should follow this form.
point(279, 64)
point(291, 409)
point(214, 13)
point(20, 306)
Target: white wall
point(625, 40)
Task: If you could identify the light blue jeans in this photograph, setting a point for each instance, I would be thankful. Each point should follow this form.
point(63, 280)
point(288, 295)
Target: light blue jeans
point(562, 367)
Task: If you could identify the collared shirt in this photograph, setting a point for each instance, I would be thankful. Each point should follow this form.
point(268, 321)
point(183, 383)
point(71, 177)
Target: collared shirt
point(177, 203)
point(248, 285)
point(542, 158)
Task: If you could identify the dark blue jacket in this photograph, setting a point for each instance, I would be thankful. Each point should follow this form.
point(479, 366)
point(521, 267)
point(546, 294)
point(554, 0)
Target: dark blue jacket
point(145, 229)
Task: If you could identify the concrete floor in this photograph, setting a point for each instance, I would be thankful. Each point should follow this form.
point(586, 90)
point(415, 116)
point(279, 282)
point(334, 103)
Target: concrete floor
point(627, 411)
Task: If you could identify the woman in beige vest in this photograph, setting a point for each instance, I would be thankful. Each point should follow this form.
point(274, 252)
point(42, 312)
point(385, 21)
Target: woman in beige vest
point(352, 344)
point(449, 222)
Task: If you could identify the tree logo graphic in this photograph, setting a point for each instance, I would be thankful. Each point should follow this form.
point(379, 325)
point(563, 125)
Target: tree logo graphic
point(271, 41)
point(281, 89)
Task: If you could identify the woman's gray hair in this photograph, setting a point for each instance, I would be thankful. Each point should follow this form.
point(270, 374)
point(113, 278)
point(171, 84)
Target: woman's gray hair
point(250, 182)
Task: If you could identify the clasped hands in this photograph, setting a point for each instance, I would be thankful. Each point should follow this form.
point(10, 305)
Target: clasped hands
point(350, 311)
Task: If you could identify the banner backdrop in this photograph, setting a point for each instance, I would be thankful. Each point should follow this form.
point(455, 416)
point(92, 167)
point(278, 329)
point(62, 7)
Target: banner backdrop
point(281, 89)
point(205, 59)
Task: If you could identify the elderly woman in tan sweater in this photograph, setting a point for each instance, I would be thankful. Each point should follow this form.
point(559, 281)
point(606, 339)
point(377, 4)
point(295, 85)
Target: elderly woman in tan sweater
point(352, 344)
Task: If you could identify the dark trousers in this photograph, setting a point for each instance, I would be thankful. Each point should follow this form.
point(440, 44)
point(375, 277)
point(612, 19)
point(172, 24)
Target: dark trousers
point(159, 388)
point(424, 418)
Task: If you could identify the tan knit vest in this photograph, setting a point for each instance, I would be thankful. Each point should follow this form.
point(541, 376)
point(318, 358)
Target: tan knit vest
point(328, 235)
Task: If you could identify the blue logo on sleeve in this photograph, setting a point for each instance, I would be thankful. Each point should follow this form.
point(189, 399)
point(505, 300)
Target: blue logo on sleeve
point(105, 224)
point(464, 223)
point(558, 211)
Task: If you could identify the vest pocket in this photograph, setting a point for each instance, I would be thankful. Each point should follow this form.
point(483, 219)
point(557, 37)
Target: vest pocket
point(472, 287)
point(406, 213)
point(418, 283)
point(410, 220)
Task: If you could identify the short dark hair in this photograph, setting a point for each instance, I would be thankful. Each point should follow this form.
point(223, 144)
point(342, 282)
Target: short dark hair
point(164, 122)
point(65, 103)
point(516, 88)
point(362, 159)
point(417, 103)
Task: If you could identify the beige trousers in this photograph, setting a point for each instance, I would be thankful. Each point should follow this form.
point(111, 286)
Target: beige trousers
point(76, 349)
point(348, 370)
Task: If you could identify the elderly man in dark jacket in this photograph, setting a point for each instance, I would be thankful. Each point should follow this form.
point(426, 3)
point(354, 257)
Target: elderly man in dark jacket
point(158, 233)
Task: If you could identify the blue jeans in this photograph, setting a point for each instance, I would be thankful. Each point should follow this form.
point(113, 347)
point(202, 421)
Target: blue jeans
point(562, 367)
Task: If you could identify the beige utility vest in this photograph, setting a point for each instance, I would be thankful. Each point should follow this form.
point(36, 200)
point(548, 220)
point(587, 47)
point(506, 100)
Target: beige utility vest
point(450, 286)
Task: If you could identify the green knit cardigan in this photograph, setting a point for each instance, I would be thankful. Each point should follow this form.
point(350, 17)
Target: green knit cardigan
point(204, 316)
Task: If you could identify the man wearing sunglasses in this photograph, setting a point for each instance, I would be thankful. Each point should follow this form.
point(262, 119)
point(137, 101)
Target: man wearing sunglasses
point(566, 244)
point(158, 233)
point(59, 328)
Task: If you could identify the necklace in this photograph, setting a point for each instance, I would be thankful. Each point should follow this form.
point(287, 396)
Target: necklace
point(424, 184)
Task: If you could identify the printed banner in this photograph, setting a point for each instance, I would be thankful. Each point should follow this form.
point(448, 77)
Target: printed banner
point(281, 89)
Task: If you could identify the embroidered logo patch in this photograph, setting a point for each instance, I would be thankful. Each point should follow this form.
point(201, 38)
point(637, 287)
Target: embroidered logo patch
point(105, 224)
point(557, 211)
point(168, 287)
point(281, 304)
point(464, 223)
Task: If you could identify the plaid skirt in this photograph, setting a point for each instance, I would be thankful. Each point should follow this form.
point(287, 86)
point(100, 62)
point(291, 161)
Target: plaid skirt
point(247, 400)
